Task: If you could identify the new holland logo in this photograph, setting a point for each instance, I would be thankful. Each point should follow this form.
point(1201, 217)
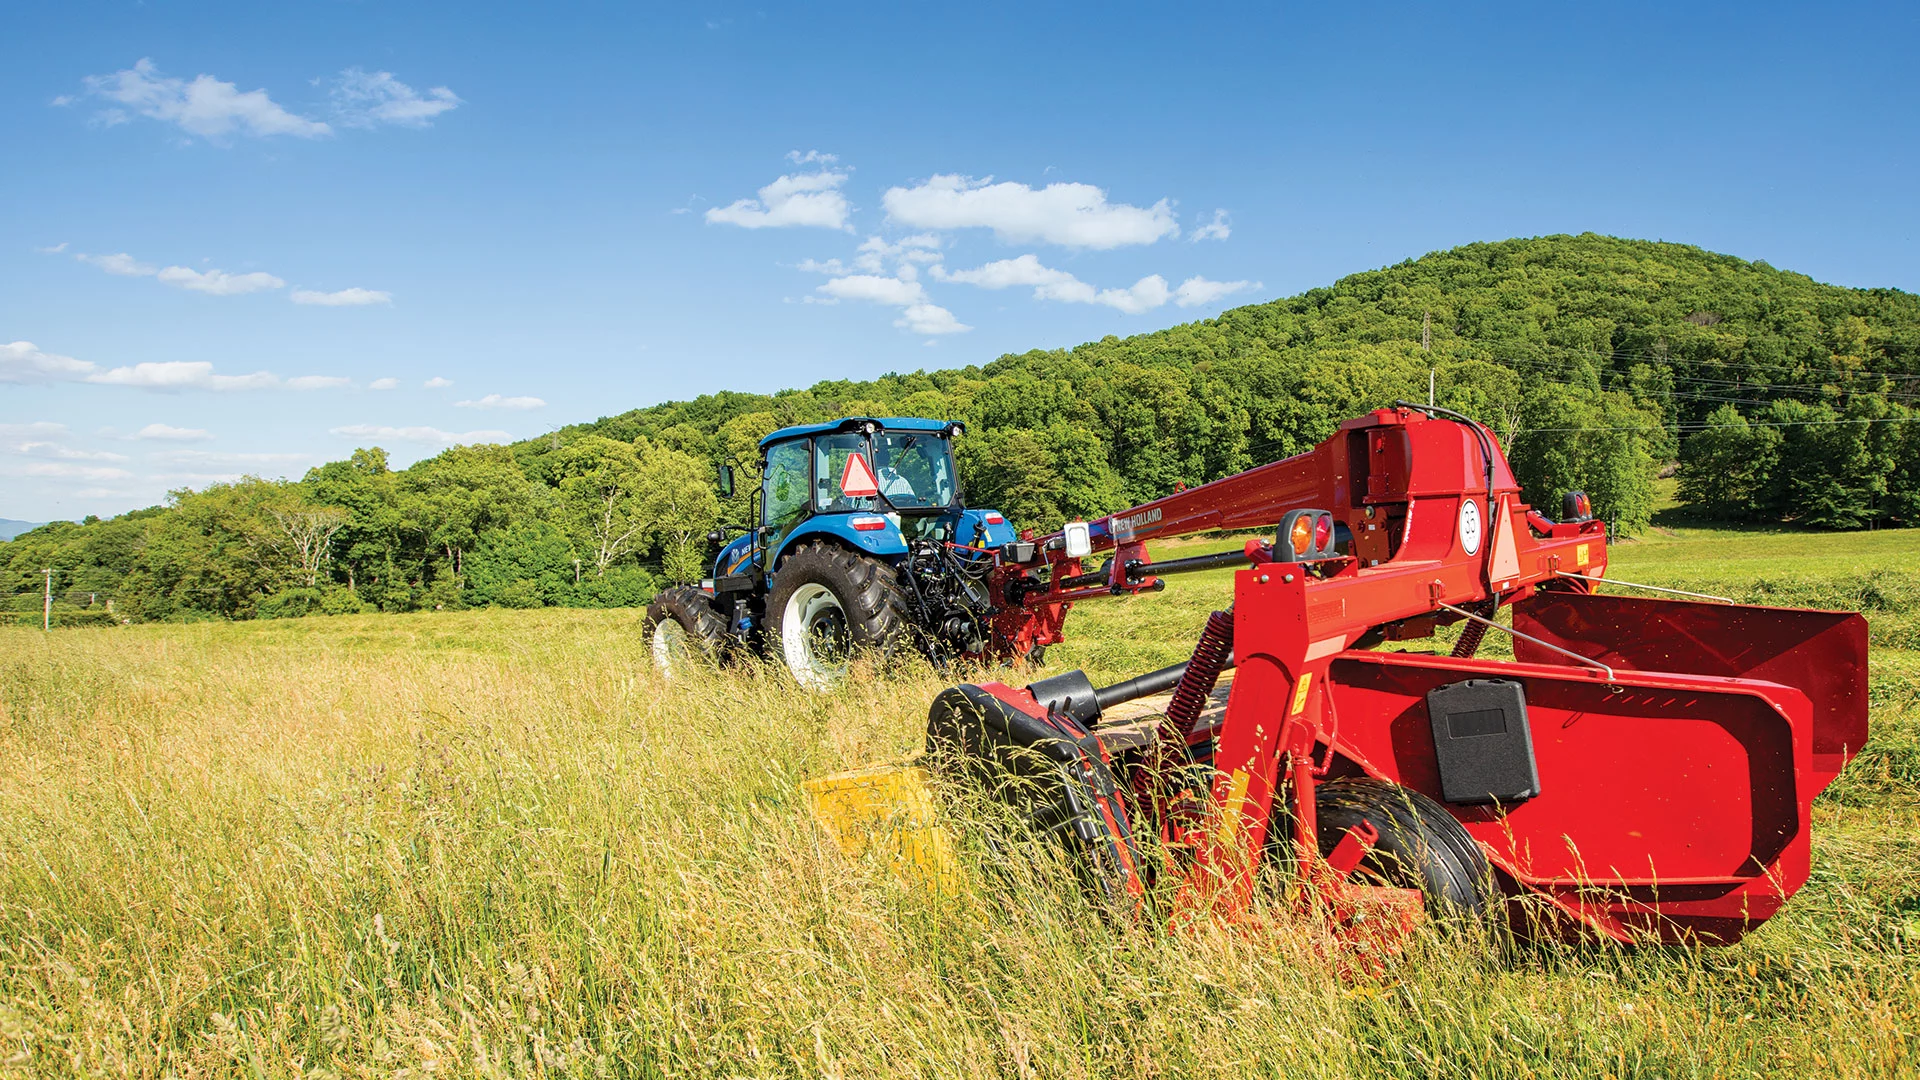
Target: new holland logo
point(1124, 528)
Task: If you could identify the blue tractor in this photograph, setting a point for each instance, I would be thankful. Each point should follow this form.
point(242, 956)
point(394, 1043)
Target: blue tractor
point(862, 542)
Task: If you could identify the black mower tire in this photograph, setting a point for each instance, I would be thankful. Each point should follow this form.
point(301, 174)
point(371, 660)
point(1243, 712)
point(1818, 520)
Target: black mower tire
point(706, 631)
point(1421, 847)
point(868, 590)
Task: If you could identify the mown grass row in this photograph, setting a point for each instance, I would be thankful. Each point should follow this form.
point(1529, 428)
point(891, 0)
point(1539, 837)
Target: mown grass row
point(493, 843)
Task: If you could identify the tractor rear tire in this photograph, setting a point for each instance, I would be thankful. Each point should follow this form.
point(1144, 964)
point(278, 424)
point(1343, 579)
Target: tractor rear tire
point(828, 602)
point(1421, 847)
point(681, 627)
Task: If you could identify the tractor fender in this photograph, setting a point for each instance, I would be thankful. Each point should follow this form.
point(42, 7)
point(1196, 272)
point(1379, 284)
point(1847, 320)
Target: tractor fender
point(983, 527)
point(885, 542)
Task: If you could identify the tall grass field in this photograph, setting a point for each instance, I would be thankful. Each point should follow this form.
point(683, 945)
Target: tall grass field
point(494, 843)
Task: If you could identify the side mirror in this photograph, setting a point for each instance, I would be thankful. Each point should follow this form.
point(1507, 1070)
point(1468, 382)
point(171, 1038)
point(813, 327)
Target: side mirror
point(726, 481)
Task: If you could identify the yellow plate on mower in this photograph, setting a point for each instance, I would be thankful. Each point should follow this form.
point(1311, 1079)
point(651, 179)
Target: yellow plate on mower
point(888, 810)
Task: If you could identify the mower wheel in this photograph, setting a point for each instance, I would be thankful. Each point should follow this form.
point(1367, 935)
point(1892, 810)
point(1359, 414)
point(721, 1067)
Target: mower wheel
point(681, 627)
point(1421, 846)
point(827, 602)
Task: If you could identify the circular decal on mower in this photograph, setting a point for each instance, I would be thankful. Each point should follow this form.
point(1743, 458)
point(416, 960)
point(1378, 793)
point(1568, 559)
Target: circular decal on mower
point(1470, 526)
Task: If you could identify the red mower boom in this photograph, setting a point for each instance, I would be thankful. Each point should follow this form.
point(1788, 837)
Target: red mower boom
point(1642, 768)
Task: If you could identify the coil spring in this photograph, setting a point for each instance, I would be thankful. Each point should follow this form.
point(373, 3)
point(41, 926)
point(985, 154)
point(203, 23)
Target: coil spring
point(1469, 640)
point(1210, 655)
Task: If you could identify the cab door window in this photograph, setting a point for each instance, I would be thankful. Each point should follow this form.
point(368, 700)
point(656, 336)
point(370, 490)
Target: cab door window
point(785, 486)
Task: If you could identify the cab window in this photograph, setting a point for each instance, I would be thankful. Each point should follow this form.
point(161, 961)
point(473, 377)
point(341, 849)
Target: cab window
point(785, 485)
point(913, 469)
point(830, 454)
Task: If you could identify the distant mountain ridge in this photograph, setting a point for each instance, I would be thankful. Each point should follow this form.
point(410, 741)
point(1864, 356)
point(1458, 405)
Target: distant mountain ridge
point(9, 528)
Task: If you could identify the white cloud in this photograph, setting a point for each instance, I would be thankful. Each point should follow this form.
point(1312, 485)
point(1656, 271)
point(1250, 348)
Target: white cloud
point(169, 433)
point(893, 292)
point(802, 199)
point(918, 314)
point(1049, 284)
point(205, 107)
point(495, 401)
point(37, 429)
point(218, 282)
point(54, 250)
point(811, 157)
point(365, 99)
point(217, 457)
point(815, 266)
point(384, 384)
point(40, 448)
point(123, 264)
point(1217, 229)
point(437, 383)
point(1072, 215)
point(182, 375)
point(344, 298)
point(1199, 292)
point(62, 470)
point(875, 253)
point(419, 434)
point(23, 362)
point(211, 282)
point(926, 318)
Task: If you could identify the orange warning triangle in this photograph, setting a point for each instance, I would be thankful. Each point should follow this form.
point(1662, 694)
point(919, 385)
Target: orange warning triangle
point(858, 479)
point(1506, 549)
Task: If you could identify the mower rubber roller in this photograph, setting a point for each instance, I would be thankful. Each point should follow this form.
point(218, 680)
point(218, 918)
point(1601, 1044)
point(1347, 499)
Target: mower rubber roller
point(828, 602)
point(1420, 846)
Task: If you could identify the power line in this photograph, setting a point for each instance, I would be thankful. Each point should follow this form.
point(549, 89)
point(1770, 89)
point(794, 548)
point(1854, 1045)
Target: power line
point(1693, 426)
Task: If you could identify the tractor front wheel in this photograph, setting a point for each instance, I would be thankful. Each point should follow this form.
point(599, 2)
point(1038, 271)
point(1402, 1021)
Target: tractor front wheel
point(828, 602)
point(681, 627)
point(1421, 847)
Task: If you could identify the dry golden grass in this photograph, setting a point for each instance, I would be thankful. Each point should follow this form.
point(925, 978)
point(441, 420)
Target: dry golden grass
point(494, 843)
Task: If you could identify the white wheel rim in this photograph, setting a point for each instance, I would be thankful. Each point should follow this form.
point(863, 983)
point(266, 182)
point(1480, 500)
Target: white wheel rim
point(669, 644)
point(811, 612)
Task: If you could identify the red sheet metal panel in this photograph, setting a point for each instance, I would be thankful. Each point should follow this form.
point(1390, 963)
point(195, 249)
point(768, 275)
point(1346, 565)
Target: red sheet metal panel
point(1821, 653)
point(1674, 807)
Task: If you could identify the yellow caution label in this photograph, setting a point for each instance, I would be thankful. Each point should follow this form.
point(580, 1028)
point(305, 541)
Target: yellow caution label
point(1230, 814)
point(1581, 555)
point(1300, 694)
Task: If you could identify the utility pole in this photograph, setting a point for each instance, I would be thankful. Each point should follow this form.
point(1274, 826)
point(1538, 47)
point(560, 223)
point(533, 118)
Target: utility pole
point(1426, 346)
point(46, 607)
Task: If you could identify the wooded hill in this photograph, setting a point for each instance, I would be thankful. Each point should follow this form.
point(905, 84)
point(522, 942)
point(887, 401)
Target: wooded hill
point(1598, 361)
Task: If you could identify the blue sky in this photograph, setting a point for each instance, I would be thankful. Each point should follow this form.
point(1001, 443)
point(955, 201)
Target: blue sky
point(244, 238)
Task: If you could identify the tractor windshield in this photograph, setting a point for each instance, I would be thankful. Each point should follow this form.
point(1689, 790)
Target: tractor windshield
point(914, 470)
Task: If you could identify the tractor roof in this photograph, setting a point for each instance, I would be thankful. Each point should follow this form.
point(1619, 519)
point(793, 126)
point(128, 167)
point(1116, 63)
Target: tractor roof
point(891, 423)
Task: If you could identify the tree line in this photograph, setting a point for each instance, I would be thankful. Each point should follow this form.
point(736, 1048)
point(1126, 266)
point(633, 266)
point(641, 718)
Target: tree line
point(1602, 364)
